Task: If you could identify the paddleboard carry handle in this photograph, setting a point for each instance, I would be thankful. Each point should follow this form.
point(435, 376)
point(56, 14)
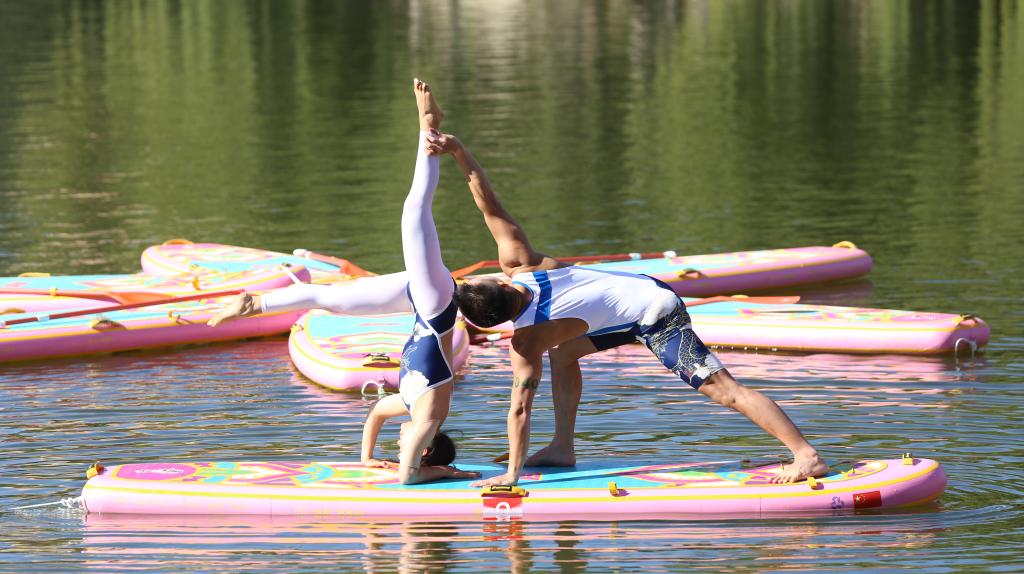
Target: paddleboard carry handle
point(177, 241)
point(380, 361)
point(845, 245)
point(908, 459)
point(690, 273)
point(503, 490)
point(102, 323)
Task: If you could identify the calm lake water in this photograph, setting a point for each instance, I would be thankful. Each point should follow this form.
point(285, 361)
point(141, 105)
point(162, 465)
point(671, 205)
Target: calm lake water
point(606, 127)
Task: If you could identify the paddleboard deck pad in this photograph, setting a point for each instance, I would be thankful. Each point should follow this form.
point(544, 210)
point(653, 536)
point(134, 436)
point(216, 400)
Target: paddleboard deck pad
point(345, 352)
point(587, 490)
point(16, 304)
point(66, 292)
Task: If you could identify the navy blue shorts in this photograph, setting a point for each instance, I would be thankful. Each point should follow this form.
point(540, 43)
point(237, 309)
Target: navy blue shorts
point(673, 341)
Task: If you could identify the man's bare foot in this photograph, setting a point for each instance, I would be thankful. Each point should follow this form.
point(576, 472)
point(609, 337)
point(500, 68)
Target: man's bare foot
point(801, 468)
point(551, 456)
point(243, 306)
point(430, 113)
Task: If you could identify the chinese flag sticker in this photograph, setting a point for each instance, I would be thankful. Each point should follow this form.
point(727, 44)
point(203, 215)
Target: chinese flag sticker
point(867, 499)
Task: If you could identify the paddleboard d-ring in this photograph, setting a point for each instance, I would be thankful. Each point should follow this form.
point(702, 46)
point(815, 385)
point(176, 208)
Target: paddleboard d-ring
point(378, 383)
point(971, 344)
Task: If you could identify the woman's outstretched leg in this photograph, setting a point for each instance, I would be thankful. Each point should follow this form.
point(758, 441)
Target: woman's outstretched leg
point(430, 282)
point(366, 296)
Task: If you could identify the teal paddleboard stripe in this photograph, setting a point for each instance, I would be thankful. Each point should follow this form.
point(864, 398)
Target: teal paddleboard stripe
point(237, 266)
point(326, 326)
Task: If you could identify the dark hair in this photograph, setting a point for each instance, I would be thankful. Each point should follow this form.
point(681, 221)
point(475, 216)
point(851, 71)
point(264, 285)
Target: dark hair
point(440, 452)
point(485, 304)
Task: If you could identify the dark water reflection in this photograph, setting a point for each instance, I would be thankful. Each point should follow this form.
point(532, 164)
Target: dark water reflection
point(606, 126)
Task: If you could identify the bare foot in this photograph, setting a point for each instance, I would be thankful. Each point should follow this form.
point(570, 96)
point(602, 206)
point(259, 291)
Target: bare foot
point(243, 306)
point(801, 468)
point(551, 456)
point(430, 113)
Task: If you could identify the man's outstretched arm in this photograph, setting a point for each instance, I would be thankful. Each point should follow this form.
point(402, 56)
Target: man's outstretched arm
point(527, 353)
point(514, 250)
point(527, 368)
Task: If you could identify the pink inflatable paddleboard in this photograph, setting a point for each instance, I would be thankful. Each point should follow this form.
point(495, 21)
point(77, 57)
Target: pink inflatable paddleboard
point(733, 322)
point(344, 352)
point(27, 336)
point(588, 491)
point(746, 271)
point(692, 275)
point(825, 328)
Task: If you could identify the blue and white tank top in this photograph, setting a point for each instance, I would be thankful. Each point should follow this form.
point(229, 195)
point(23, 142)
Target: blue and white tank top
point(608, 301)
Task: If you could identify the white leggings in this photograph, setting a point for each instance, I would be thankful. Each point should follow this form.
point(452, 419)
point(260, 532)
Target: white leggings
point(429, 281)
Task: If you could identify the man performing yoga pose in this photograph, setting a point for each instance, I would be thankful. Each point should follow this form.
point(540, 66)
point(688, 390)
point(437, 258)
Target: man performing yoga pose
point(571, 312)
point(425, 288)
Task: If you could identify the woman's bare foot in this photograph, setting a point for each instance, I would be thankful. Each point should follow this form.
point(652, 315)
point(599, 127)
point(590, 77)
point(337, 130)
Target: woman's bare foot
point(801, 468)
point(430, 113)
point(244, 305)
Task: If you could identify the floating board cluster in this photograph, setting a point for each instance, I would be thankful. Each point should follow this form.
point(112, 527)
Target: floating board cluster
point(587, 490)
point(179, 267)
point(122, 312)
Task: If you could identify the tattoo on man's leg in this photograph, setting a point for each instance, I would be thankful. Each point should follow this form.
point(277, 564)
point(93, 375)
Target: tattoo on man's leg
point(527, 383)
